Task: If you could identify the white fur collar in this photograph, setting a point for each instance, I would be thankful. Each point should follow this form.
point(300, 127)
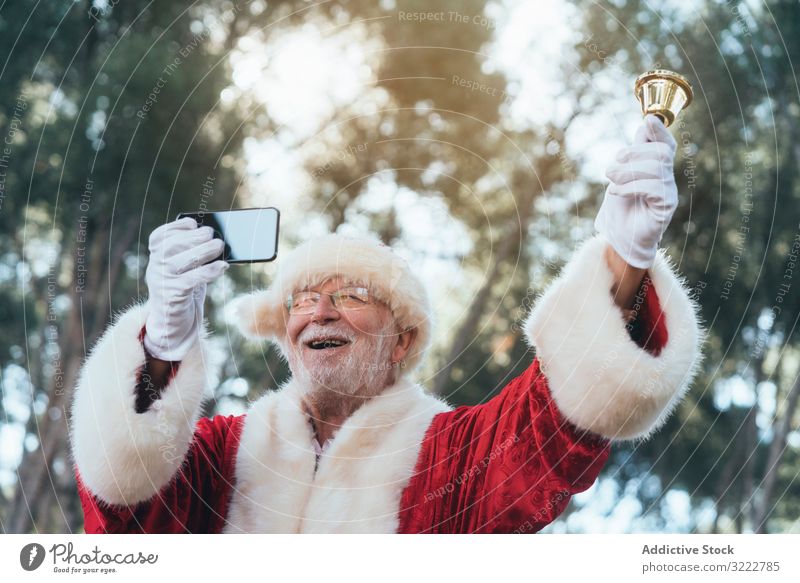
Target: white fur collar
point(361, 476)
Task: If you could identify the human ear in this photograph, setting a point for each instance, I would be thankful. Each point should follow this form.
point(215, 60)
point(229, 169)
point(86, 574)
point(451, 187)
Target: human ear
point(405, 340)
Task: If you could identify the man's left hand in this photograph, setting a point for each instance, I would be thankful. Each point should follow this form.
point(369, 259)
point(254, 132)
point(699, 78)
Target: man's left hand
point(642, 197)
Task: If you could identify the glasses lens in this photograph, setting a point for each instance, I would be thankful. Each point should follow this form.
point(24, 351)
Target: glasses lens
point(303, 302)
point(351, 298)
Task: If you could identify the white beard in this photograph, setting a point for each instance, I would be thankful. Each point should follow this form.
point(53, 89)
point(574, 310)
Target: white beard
point(334, 378)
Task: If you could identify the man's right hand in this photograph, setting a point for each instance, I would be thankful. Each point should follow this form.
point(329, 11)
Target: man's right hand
point(176, 279)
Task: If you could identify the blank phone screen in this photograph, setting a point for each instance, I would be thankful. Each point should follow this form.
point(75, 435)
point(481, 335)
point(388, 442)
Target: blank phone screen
point(250, 235)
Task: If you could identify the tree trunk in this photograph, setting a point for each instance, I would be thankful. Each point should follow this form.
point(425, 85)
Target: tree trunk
point(467, 332)
point(776, 450)
point(726, 480)
point(750, 438)
point(33, 501)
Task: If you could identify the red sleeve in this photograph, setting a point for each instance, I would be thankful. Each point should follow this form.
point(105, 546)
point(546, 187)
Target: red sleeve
point(196, 501)
point(507, 465)
point(513, 463)
point(649, 328)
point(147, 391)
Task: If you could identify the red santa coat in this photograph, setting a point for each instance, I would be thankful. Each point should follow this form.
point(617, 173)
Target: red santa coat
point(405, 461)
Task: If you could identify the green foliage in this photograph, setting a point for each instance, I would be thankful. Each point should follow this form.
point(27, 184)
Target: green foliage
point(118, 124)
point(737, 172)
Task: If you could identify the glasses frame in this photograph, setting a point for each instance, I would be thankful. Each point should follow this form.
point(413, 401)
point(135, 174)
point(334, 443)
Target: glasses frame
point(335, 297)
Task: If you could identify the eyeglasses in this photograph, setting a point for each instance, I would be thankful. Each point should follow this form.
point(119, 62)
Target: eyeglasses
point(346, 298)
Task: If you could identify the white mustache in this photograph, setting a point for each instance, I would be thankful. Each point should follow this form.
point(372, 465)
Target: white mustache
point(361, 369)
point(314, 332)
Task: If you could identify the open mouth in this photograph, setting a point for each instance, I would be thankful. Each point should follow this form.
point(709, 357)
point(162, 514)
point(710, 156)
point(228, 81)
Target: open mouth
point(326, 343)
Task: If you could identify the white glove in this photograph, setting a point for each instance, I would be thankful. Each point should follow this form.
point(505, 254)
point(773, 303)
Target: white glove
point(642, 197)
point(176, 279)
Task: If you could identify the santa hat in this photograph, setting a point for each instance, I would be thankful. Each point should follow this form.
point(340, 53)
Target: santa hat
point(264, 314)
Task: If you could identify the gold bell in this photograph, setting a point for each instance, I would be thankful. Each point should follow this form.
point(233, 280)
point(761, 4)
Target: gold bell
point(663, 93)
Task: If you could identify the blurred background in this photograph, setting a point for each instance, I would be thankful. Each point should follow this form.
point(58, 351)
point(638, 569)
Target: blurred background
point(471, 136)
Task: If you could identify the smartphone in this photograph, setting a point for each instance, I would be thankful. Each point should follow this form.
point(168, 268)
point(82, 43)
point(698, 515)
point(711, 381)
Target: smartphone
point(250, 235)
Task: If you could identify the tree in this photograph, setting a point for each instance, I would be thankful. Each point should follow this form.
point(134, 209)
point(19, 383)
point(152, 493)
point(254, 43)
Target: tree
point(121, 127)
point(737, 170)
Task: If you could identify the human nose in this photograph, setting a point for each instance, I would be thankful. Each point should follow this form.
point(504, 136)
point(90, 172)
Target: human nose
point(324, 311)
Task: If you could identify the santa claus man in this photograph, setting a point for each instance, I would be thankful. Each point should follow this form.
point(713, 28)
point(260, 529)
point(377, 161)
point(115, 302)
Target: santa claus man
point(350, 443)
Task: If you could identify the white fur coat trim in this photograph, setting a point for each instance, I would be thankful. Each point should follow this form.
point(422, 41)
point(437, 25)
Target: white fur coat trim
point(600, 379)
point(125, 457)
point(361, 476)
